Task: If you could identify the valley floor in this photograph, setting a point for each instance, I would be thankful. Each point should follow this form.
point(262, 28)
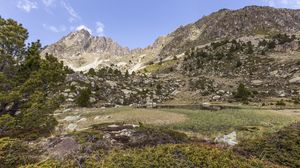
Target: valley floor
point(248, 122)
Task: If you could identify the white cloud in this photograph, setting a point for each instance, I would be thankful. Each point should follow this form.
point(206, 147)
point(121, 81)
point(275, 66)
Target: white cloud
point(284, 3)
point(72, 13)
point(84, 28)
point(48, 2)
point(27, 5)
point(55, 29)
point(100, 28)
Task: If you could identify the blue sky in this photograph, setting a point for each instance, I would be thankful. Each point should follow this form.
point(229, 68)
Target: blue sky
point(132, 23)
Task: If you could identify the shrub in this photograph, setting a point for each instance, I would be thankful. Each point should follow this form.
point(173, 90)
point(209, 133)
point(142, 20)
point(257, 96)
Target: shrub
point(92, 72)
point(14, 153)
point(7, 125)
point(281, 147)
point(164, 156)
point(83, 99)
point(280, 103)
point(242, 93)
point(177, 156)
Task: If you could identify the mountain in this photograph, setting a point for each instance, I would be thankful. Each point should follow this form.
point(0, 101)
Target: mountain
point(251, 20)
point(81, 51)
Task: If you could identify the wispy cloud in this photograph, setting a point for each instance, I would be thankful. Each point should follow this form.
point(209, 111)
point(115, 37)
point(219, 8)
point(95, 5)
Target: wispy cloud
point(100, 28)
point(48, 3)
point(72, 13)
point(27, 5)
point(84, 28)
point(55, 29)
point(284, 3)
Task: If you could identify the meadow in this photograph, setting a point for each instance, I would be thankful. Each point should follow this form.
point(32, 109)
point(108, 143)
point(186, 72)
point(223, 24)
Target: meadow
point(247, 122)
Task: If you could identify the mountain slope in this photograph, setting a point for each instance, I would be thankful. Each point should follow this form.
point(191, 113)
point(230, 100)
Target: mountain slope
point(226, 23)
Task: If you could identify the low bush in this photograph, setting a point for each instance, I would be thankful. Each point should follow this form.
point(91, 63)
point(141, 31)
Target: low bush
point(14, 153)
point(83, 99)
point(282, 147)
point(242, 93)
point(165, 156)
point(280, 103)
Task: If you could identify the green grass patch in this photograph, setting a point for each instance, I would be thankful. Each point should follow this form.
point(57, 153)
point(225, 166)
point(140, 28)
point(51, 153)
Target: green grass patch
point(247, 122)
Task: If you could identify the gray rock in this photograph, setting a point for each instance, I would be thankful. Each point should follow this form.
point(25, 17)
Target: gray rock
point(217, 97)
point(229, 139)
point(257, 82)
point(72, 127)
point(67, 91)
point(295, 80)
point(220, 92)
point(71, 118)
point(92, 100)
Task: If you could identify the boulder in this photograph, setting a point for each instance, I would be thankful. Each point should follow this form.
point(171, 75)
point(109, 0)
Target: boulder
point(295, 80)
point(257, 82)
point(92, 100)
point(217, 97)
point(60, 148)
point(229, 139)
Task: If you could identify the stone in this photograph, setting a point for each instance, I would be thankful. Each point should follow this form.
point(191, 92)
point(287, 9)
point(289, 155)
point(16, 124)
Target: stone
point(72, 127)
point(71, 118)
point(82, 120)
point(74, 83)
point(67, 110)
point(67, 91)
point(229, 139)
point(221, 92)
point(72, 95)
point(70, 100)
point(97, 117)
point(65, 94)
point(295, 80)
point(92, 100)
point(125, 132)
point(257, 82)
point(217, 97)
point(60, 148)
point(274, 73)
point(206, 105)
point(281, 93)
